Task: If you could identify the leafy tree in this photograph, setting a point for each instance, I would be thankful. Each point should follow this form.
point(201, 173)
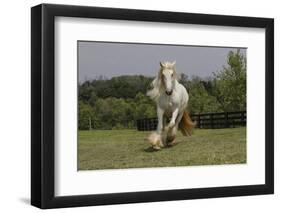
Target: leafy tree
point(93, 98)
point(85, 91)
point(86, 116)
point(118, 87)
point(199, 99)
point(113, 113)
point(230, 83)
point(103, 112)
point(144, 107)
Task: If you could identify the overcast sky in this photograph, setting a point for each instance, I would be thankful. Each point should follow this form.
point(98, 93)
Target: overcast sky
point(113, 59)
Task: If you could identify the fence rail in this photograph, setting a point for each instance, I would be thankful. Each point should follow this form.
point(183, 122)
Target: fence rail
point(204, 121)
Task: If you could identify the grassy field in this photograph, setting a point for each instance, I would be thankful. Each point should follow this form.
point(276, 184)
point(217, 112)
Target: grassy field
point(115, 149)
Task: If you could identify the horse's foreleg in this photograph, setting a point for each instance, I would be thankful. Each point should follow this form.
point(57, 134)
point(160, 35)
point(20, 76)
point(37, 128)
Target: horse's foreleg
point(172, 132)
point(173, 119)
point(160, 113)
point(178, 120)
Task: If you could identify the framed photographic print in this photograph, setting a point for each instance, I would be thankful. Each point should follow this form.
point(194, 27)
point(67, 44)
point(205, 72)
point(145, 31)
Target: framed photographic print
point(139, 106)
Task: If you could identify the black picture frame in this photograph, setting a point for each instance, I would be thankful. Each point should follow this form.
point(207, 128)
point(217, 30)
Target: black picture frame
point(43, 102)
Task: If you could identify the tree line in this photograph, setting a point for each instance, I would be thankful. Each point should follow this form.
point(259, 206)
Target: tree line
point(119, 101)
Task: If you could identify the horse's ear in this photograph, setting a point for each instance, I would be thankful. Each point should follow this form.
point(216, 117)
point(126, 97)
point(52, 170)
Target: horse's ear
point(173, 63)
point(161, 64)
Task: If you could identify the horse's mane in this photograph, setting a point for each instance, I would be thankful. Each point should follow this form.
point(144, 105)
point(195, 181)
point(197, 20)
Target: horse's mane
point(157, 85)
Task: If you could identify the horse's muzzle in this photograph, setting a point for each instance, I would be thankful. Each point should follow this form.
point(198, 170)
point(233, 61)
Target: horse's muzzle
point(169, 93)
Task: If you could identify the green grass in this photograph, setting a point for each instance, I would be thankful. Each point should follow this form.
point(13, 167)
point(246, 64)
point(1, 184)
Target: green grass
point(116, 149)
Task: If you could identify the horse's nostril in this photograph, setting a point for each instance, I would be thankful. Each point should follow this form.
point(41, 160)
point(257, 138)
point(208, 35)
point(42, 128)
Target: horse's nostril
point(169, 93)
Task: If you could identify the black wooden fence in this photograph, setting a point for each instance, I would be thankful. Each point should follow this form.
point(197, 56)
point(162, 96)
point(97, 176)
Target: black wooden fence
point(220, 120)
point(204, 121)
point(147, 124)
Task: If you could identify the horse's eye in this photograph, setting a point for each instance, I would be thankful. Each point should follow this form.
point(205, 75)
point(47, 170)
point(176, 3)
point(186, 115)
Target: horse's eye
point(173, 75)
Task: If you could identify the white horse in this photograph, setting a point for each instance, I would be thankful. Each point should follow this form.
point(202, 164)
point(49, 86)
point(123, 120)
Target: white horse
point(171, 98)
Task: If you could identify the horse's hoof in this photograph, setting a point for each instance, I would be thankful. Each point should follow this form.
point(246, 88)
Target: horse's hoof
point(156, 148)
point(172, 143)
point(155, 140)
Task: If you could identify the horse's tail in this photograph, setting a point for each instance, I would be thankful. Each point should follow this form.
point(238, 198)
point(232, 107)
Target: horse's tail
point(186, 125)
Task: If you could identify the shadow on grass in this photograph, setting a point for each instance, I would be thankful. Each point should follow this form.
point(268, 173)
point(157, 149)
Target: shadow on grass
point(151, 149)
point(169, 146)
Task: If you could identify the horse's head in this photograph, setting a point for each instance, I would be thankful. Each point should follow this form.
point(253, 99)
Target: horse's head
point(168, 76)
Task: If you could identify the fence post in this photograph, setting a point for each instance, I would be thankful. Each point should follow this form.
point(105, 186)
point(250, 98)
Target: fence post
point(242, 118)
point(199, 121)
point(226, 120)
point(212, 121)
